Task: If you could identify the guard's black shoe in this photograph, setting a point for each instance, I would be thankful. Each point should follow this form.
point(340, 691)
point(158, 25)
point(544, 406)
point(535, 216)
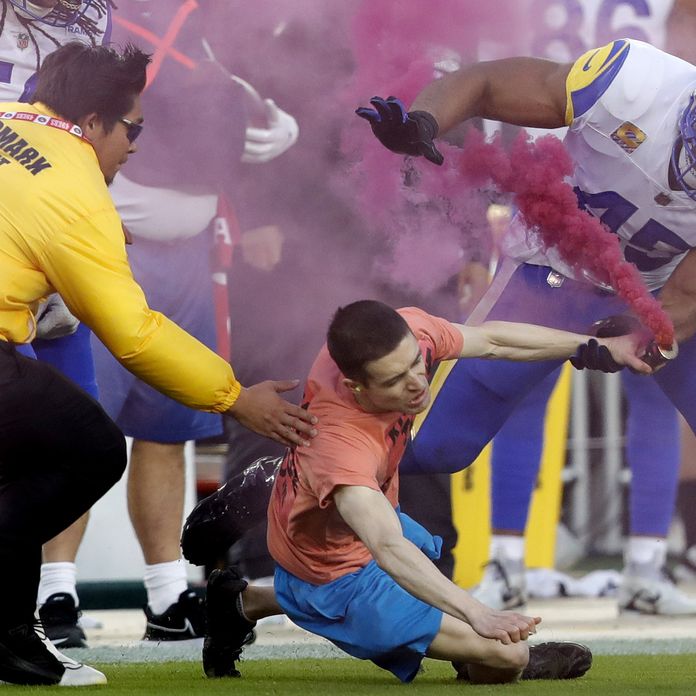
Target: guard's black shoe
point(59, 617)
point(183, 620)
point(228, 629)
point(557, 661)
point(24, 659)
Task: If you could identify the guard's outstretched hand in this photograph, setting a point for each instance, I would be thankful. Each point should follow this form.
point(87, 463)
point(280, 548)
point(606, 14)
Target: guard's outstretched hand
point(260, 409)
point(405, 132)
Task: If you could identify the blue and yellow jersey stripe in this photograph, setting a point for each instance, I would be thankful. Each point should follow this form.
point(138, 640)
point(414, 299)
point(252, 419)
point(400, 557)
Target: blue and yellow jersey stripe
point(591, 75)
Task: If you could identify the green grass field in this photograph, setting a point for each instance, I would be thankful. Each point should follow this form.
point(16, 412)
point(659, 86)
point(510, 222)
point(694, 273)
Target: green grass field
point(615, 676)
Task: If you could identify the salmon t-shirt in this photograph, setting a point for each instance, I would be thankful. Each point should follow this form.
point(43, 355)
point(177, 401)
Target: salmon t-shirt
point(306, 534)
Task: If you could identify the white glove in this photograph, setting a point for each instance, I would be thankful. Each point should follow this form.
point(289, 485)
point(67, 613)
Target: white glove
point(265, 144)
point(53, 319)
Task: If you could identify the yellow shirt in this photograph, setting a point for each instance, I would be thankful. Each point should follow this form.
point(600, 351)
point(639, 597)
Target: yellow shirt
point(59, 231)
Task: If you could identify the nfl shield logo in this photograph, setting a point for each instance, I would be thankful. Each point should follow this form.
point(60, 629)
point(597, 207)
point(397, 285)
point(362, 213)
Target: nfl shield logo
point(22, 41)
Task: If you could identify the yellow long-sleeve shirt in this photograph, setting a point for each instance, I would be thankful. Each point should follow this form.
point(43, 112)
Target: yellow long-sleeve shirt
point(59, 231)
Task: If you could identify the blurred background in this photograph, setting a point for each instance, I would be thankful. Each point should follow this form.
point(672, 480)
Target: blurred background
point(336, 218)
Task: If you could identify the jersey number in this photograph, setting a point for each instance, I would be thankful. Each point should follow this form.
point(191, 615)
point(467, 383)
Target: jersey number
point(568, 32)
point(617, 211)
point(6, 69)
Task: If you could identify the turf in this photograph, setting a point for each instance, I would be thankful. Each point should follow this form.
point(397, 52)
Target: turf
point(615, 676)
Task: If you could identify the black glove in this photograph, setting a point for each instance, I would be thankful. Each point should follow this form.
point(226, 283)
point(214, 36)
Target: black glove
point(405, 132)
point(621, 324)
point(593, 356)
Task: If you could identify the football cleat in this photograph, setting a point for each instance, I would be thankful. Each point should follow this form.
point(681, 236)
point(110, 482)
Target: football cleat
point(60, 620)
point(503, 585)
point(183, 620)
point(640, 593)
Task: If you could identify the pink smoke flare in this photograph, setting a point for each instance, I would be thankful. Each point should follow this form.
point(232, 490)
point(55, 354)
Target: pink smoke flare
point(535, 173)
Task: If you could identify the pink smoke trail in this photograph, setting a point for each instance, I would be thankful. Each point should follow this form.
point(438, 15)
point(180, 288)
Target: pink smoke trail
point(425, 233)
point(534, 172)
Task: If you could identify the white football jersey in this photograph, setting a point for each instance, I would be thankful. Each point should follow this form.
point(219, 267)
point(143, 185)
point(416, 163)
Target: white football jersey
point(624, 105)
point(18, 58)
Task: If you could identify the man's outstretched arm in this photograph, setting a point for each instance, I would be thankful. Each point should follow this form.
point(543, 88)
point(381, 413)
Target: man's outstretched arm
point(503, 340)
point(372, 518)
point(522, 91)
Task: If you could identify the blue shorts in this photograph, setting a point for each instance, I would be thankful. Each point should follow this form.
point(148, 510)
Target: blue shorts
point(366, 613)
point(70, 355)
point(176, 278)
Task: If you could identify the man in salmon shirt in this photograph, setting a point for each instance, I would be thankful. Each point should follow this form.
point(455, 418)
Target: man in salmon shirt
point(350, 566)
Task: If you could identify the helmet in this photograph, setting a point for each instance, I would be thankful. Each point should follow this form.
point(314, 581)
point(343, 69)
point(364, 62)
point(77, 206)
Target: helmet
point(683, 159)
point(65, 12)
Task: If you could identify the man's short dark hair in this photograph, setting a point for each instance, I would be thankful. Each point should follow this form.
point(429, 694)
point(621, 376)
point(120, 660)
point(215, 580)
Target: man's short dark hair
point(76, 80)
point(361, 332)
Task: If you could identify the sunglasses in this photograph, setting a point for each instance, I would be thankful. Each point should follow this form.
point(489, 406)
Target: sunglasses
point(133, 130)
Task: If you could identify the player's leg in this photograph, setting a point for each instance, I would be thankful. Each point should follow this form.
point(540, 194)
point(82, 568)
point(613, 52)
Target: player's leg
point(471, 404)
point(156, 506)
point(515, 462)
point(468, 410)
point(653, 454)
point(686, 504)
point(156, 486)
point(177, 281)
point(422, 498)
point(57, 599)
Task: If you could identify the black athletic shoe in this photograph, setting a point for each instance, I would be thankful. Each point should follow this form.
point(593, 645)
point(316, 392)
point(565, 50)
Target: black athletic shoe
point(24, 659)
point(557, 661)
point(462, 670)
point(59, 617)
point(228, 630)
point(183, 620)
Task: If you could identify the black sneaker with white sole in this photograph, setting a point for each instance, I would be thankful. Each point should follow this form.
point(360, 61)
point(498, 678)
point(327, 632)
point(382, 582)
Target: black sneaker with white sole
point(228, 630)
point(183, 620)
point(59, 617)
point(556, 660)
point(24, 659)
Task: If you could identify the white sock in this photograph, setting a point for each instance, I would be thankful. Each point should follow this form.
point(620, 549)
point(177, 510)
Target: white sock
point(164, 582)
point(507, 546)
point(57, 577)
point(643, 550)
